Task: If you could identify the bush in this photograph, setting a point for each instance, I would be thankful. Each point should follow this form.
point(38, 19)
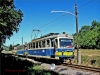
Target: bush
point(12, 63)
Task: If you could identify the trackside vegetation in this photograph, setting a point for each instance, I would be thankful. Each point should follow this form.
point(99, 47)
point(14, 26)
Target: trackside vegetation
point(89, 36)
point(10, 19)
point(16, 66)
point(89, 44)
point(89, 57)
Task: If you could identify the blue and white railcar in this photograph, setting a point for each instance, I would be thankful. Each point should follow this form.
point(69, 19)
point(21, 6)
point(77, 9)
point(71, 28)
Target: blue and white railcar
point(53, 45)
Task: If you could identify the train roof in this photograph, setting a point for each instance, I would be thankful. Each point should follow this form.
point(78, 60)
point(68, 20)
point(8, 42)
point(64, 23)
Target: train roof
point(53, 35)
point(50, 34)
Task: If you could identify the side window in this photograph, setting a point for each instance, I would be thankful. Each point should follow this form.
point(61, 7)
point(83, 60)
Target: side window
point(72, 43)
point(43, 43)
point(36, 44)
point(48, 43)
point(40, 44)
point(56, 42)
point(52, 42)
point(28, 46)
point(33, 45)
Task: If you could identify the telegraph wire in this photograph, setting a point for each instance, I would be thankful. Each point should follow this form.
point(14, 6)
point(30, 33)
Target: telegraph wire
point(60, 17)
point(28, 34)
point(52, 21)
point(86, 4)
point(43, 26)
point(63, 19)
point(66, 14)
point(47, 23)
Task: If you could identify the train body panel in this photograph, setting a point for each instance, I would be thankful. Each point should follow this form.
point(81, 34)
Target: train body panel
point(20, 52)
point(52, 45)
point(65, 52)
point(60, 52)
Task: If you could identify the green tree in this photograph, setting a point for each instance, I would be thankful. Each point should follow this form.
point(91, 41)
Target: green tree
point(16, 45)
point(2, 48)
point(10, 47)
point(10, 18)
point(89, 36)
point(94, 25)
point(81, 37)
point(82, 33)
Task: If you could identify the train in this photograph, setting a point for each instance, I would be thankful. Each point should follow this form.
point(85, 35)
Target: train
point(52, 45)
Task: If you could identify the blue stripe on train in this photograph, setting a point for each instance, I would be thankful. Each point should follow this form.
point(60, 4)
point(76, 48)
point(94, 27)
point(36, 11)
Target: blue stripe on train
point(20, 52)
point(65, 49)
point(43, 52)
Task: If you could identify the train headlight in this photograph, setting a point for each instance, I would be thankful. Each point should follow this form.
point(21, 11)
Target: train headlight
point(67, 46)
point(56, 51)
point(63, 47)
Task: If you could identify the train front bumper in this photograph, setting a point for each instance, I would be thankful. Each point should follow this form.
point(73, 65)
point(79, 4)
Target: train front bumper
point(65, 55)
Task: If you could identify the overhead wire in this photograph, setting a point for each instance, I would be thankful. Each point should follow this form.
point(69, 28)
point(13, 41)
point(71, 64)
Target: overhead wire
point(72, 11)
point(52, 21)
point(61, 17)
point(86, 4)
point(55, 24)
point(48, 23)
point(64, 15)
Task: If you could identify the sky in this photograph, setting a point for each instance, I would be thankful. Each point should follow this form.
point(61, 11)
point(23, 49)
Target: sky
point(38, 16)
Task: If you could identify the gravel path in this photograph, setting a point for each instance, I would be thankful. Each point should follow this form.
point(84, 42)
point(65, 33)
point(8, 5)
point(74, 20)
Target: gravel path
point(67, 70)
point(63, 69)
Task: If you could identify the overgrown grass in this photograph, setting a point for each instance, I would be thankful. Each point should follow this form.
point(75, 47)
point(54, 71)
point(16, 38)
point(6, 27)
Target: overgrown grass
point(88, 52)
point(97, 63)
point(84, 59)
point(11, 63)
point(87, 56)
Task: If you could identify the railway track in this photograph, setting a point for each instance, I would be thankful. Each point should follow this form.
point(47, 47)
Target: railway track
point(77, 66)
point(82, 67)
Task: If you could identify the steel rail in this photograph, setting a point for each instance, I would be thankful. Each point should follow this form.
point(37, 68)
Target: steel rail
point(73, 66)
point(82, 67)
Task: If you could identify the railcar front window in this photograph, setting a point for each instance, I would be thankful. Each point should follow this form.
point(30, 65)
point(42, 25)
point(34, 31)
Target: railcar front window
point(65, 42)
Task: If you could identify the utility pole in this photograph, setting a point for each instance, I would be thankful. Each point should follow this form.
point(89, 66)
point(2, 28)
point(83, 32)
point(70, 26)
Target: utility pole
point(76, 17)
point(13, 43)
point(78, 56)
point(22, 43)
point(22, 40)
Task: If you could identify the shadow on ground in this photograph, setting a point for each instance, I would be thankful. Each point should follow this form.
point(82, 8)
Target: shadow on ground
point(15, 66)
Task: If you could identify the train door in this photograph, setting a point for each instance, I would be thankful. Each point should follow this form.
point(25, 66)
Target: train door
point(54, 45)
